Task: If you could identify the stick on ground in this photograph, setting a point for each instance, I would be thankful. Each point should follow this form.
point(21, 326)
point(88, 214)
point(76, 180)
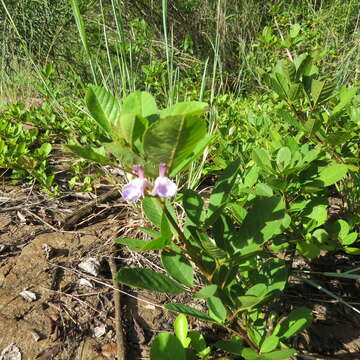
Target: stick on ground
point(118, 324)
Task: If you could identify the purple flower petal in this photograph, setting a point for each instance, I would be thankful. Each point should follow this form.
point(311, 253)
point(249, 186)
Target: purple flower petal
point(134, 189)
point(164, 187)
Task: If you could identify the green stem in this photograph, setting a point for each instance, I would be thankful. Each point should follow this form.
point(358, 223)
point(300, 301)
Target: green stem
point(191, 250)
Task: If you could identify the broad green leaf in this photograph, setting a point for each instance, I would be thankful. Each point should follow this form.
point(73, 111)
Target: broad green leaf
point(151, 232)
point(262, 189)
point(197, 152)
point(283, 157)
point(266, 218)
point(206, 292)
point(157, 244)
point(269, 344)
point(252, 176)
point(352, 250)
point(222, 191)
point(350, 238)
point(139, 103)
point(321, 90)
point(262, 158)
point(190, 108)
point(346, 95)
point(198, 343)
point(216, 309)
point(233, 346)
point(152, 210)
point(131, 128)
point(44, 150)
point(290, 119)
point(91, 153)
point(298, 320)
point(140, 245)
point(181, 329)
point(194, 206)
point(308, 249)
point(208, 245)
point(248, 301)
point(124, 154)
point(333, 173)
point(295, 30)
point(103, 107)
point(300, 60)
point(279, 355)
point(187, 310)
point(148, 280)
point(133, 244)
point(178, 267)
point(167, 347)
point(173, 139)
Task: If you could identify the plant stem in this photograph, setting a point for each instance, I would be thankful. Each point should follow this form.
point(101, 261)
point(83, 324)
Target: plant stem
point(191, 250)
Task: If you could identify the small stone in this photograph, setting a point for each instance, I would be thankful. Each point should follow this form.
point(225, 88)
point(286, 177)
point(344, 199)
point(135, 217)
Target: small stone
point(91, 266)
point(99, 331)
point(85, 282)
point(28, 295)
point(11, 352)
point(35, 334)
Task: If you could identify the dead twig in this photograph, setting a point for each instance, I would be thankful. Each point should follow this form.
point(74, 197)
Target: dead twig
point(86, 209)
point(118, 326)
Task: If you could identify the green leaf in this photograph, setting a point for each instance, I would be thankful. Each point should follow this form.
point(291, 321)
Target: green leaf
point(198, 343)
point(103, 107)
point(181, 329)
point(189, 108)
point(233, 347)
point(197, 152)
point(248, 301)
point(333, 173)
point(349, 239)
point(139, 103)
point(148, 280)
point(167, 347)
point(222, 191)
point(216, 309)
point(298, 320)
point(283, 157)
point(279, 355)
point(172, 140)
point(178, 267)
point(295, 30)
point(140, 245)
point(265, 218)
point(152, 210)
point(124, 154)
point(193, 206)
point(321, 90)
point(157, 244)
point(133, 244)
point(262, 189)
point(187, 310)
point(269, 344)
point(208, 245)
point(91, 153)
point(346, 95)
point(261, 158)
point(206, 292)
point(129, 127)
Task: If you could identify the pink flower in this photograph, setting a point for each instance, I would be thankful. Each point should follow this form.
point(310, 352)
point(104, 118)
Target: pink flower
point(136, 188)
point(163, 186)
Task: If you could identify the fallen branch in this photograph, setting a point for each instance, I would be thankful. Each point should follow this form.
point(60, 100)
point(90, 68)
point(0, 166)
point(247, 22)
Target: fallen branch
point(118, 325)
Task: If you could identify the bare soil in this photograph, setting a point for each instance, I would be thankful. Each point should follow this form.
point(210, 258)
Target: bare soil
point(74, 319)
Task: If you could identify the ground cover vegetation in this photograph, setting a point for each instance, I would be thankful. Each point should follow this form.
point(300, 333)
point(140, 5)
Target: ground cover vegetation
point(252, 111)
